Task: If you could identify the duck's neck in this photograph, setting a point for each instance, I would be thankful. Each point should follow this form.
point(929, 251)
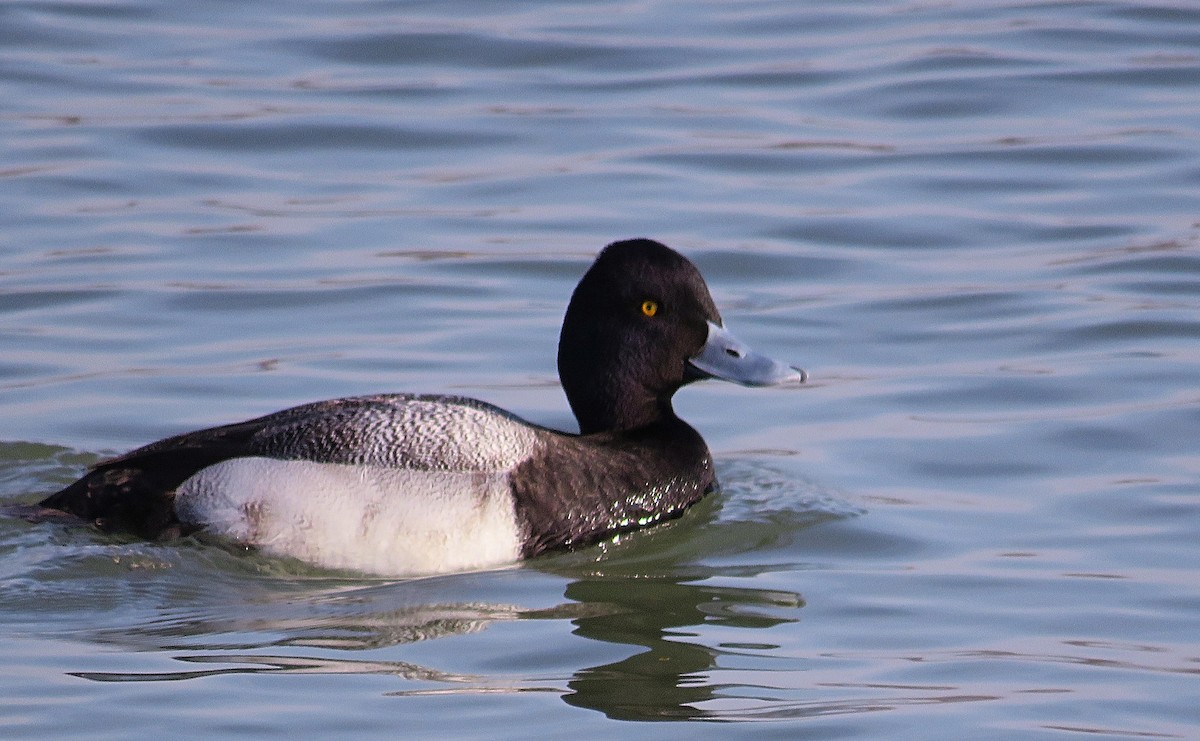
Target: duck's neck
point(600, 410)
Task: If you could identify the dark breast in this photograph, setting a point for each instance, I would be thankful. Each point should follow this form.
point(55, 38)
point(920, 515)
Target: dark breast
point(582, 489)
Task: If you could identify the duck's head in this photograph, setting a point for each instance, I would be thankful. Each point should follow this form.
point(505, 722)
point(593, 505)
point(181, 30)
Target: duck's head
point(640, 325)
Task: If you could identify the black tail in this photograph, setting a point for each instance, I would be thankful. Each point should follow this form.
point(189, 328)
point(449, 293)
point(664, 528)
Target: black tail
point(134, 493)
point(120, 500)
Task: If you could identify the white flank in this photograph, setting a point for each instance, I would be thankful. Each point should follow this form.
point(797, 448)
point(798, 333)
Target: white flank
point(388, 521)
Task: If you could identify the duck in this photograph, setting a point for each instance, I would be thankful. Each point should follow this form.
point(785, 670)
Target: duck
point(405, 484)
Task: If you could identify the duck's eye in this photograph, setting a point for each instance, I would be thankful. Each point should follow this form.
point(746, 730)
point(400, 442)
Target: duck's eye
point(649, 308)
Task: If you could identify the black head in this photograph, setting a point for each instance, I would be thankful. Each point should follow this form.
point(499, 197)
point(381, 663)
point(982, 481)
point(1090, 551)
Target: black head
point(636, 317)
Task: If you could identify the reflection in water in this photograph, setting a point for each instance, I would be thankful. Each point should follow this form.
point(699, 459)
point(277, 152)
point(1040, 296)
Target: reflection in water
point(664, 679)
point(669, 679)
point(679, 668)
point(259, 664)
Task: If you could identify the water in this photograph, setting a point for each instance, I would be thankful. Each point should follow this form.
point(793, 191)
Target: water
point(975, 224)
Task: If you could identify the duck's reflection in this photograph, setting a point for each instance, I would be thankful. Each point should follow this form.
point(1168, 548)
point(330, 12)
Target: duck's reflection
point(665, 677)
point(669, 677)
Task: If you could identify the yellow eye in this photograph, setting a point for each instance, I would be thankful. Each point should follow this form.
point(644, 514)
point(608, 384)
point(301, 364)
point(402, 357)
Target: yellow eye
point(649, 308)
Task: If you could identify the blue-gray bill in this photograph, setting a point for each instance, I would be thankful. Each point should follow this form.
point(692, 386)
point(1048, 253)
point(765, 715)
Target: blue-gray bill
point(726, 357)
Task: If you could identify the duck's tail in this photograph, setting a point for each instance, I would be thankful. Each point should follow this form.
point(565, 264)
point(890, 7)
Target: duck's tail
point(120, 499)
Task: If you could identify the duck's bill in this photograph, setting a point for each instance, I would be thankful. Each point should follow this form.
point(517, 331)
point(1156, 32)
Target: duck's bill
point(726, 357)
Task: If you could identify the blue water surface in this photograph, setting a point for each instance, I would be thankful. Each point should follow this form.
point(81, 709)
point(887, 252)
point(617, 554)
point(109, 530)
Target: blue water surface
point(976, 224)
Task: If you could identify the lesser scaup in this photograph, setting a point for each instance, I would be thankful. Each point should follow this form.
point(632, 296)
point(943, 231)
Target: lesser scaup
point(403, 484)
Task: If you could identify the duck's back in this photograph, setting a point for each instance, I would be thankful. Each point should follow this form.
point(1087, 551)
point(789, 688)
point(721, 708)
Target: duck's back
point(422, 432)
